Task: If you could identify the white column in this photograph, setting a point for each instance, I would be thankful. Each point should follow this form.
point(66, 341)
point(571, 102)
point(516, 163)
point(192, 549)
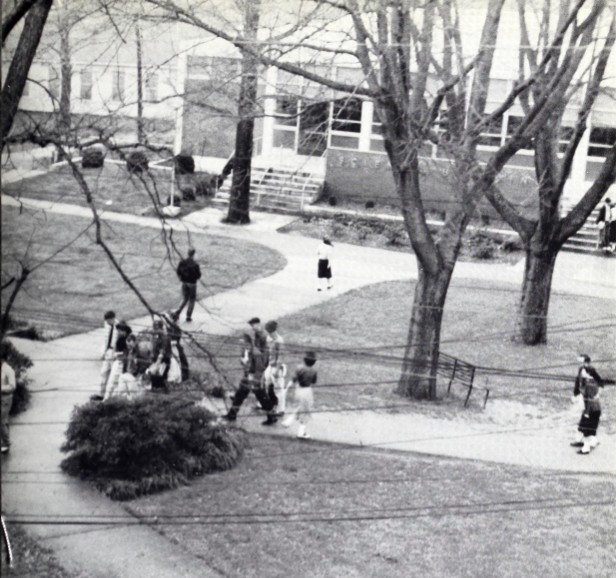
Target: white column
point(367, 113)
point(182, 73)
point(269, 109)
point(576, 184)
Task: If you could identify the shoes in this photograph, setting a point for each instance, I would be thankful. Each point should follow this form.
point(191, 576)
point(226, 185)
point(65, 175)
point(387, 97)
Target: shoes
point(270, 421)
point(582, 452)
point(303, 435)
point(96, 397)
point(5, 449)
point(576, 444)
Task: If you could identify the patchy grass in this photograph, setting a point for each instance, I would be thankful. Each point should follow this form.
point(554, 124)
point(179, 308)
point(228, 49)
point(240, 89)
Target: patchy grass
point(31, 559)
point(369, 231)
point(70, 293)
point(112, 187)
point(312, 510)
point(360, 347)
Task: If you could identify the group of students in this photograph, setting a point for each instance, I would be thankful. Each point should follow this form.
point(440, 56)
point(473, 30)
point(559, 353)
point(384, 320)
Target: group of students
point(265, 375)
point(130, 359)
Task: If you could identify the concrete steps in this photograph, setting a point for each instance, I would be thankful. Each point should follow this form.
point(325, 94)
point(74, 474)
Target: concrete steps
point(277, 188)
point(585, 240)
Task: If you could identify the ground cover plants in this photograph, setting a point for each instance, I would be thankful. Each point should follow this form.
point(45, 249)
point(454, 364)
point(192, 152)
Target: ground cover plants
point(479, 244)
point(316, 511)
point(71, 293)
point(128, 448)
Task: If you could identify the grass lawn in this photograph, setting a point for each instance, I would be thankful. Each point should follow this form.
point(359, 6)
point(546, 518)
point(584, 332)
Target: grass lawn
point(341, 329)
point(70, 293)
point(308, 510)
point(113, 188)
point(31, 559)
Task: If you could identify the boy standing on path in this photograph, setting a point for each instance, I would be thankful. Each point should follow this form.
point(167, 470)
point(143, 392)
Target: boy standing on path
point(111, 336)
point(587, 383)
point(305, 377)
point(189, 273)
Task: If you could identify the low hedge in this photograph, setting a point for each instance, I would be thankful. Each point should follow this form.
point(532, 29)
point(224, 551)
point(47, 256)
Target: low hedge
point(129, 448)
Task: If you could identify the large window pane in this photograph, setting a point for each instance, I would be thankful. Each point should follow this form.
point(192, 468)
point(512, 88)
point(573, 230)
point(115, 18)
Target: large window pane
point(601, 140)
point(346, 115)
point(86, 84)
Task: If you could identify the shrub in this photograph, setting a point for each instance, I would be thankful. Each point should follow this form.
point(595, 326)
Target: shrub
point(333, 201)
point(188, 192)
point(137, 162)
point(369, 204)
point(184, 164)
point(129, 448)
point(205, 184)
point(512, 245)
point(177, 200)
point(92, 158)
point(483, 252)
point(20, 364)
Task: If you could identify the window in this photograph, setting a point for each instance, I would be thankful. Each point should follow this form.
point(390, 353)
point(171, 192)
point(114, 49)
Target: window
point(513, 122)
point(117, 87)
point(54, 83)
point(151, 87)
point(491, 133)
point(286, 110)
point(86, 84)
point(601, 140)
point(346, 115)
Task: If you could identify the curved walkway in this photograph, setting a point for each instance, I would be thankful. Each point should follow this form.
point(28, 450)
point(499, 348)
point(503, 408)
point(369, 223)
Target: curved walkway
point(34, 486)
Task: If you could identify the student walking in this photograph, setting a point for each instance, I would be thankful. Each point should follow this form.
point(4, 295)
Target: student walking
point(9, 385)
point(274, 374)
point(111, 335)
point(304, 378)
point(324, 269)
point(189, 273)
point(606, 219)
point(119, 355)
point(587, 384)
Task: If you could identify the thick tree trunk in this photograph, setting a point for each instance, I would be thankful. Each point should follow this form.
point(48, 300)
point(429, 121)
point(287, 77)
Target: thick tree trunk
point(532, 323)
point(20, 65)
point(418, 376)
point(239, 198)
point(66, 72)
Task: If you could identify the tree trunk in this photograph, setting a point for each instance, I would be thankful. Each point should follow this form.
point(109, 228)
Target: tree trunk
point(532, 323)
point(418, 377)
point(140, 125)
point(239, 201)
point(20, 65)
point(66, 72)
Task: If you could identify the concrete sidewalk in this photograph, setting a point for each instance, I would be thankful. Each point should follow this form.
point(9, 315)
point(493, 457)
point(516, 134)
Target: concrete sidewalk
point(34, 486)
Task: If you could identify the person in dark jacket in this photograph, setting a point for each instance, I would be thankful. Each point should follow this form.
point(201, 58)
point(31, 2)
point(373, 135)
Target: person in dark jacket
point(587, 384)
point(189, 273)
point(605, 220)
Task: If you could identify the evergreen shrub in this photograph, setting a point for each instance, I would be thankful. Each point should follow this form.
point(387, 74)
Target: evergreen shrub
point(137, 162)
point(20, 364)
point(92, 158)
point(128, 448)
point(184, 164)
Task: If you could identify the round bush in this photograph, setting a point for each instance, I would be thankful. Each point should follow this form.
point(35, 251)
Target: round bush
point(205, 184)
point(92, 158)
point(188, 192)
point(20, 364)
point(137, 162)
point(184, 164)
point(129, 448)
point(369, 204)
point(333, 201)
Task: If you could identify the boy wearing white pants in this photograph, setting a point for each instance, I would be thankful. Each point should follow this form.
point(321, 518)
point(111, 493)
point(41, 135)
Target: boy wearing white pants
point(305, 377)
point(587, 384)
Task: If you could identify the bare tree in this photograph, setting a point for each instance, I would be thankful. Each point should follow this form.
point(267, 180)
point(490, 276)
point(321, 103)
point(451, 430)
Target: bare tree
point(35, 18)
point(395, 43)
point(543, 234)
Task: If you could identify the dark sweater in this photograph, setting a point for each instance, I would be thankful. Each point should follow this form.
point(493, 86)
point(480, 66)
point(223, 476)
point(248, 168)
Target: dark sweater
point(189, 271)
